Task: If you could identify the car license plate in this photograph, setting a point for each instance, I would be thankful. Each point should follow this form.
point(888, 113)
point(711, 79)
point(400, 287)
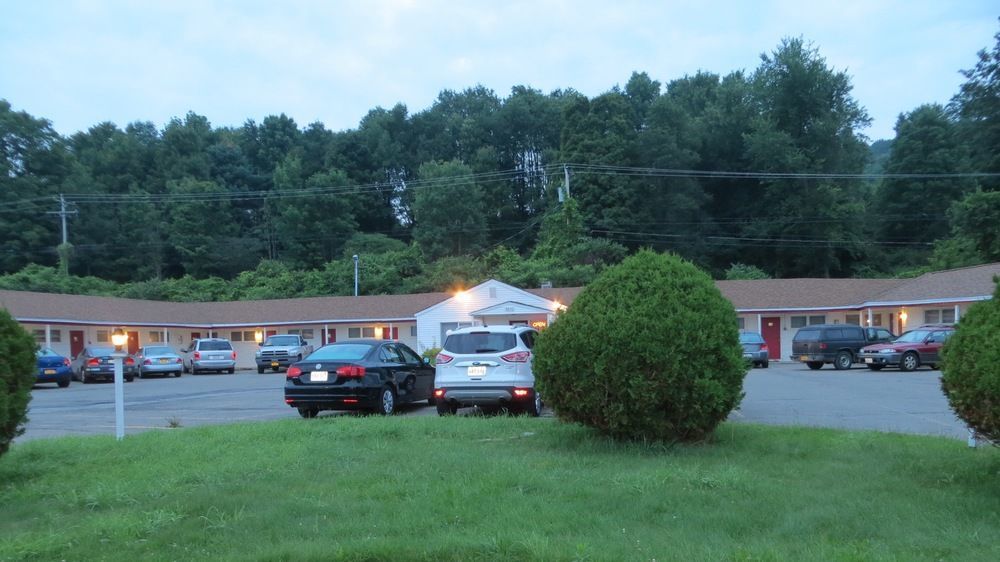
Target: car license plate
point(477, 371)
point(804, 358)
point(164, 361)
point(319, 376)
point(274, 363)
point(216, 357)
point(747, 355)
point(869, 360)
point(50, 371)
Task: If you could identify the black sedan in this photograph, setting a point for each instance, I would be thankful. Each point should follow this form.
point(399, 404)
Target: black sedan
point(372, 375)
point(97, 362)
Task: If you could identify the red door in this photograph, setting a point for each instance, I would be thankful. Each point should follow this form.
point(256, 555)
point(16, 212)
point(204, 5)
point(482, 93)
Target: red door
point(270, 333)
point(75, 342)
point(770, 328)
point(195, 335)
point(329, 336)
point(133, 343)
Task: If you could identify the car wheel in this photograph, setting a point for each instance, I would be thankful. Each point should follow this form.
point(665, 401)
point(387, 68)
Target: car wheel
point(387, 402)
point(876, 367)
point(909, 362)
point(184, 368)
point(276, 369)
point(260, 370)
point(843, 361)
point(83, 377)
point(815, 365)
point(308, 413)
point(178, 374)
point(129, 379)
point(764, 364)
point(534, 409)
point(232, 371)
point(446, 408)
point(63, 383)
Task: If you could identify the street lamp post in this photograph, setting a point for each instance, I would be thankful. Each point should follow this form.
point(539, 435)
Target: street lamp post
point(119, 338)
point(355, 257)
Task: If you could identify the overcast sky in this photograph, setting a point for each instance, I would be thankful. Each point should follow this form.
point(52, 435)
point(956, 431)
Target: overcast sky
point(78, 63)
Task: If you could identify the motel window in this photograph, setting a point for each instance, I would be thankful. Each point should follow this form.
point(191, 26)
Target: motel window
point(368, 332)
point(39, 335)
point(741, 323)
point(155, 337)
point(293, 332)
point(877, 319)
point(817, 320)
point(797, 321)
point(248, 335)
point(55, 336)
point(413, 331)
point(354, 332)
point(307, 333)
point(102, 336)
point(854, 319)
point(940, 315)
point(235, 336)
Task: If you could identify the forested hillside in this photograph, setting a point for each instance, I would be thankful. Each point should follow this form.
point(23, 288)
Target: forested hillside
point(767, 169)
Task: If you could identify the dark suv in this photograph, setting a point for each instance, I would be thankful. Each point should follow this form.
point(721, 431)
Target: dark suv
point(834, 343)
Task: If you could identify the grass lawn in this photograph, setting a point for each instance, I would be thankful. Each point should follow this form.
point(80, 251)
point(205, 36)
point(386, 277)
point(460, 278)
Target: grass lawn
point(496, 488)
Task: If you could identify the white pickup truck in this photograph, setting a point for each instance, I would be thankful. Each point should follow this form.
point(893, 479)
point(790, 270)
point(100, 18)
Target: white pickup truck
point(281, 351)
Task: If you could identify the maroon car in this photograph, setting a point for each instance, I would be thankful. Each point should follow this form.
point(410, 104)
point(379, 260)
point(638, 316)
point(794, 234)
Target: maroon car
point(921, 346)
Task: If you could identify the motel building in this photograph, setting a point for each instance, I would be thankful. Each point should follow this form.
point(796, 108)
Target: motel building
point(776, 308)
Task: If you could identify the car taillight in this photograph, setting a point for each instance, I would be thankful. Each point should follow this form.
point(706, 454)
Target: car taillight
point(178, 360)
point(822, 346)
point(147, 362)
point(521, 392)
point(517, 357)
point(129, 361)
point(197, 355)
point(442, 358)
point(66, 361)
point(293, 372)
point(763, 347)
point(438, 393)
point(93, 362)
point(234, 356)
point(351, 371)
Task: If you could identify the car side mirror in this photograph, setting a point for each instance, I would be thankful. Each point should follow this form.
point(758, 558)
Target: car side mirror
point(425, 360)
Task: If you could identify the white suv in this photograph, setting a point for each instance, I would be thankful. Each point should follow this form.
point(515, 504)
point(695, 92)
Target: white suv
point(211, 354)
point(487, 366)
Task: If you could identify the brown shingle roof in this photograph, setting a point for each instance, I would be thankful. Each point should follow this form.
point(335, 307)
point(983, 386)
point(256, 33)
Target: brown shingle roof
point(88, 309)
point(964, 283)
point(564, 295)
point(777, 294)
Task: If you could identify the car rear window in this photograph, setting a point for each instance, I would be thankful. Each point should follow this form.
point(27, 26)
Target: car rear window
point(214, 346)
point(100, 351)
point(751, 337)
point(806, 335)
point(479, 342)
point(158, 351)
point(341, 352)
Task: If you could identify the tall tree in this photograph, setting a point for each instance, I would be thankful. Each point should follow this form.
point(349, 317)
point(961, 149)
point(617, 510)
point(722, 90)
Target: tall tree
point(448, 211)
point(978, 105)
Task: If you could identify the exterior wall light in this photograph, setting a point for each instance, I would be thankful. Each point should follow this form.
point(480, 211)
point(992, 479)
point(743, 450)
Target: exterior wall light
point(258, 336)
point(903, 316)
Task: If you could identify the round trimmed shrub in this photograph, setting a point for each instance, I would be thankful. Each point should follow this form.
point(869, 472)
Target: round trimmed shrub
point(970, 372)
point(17, 374)
point(647, 351)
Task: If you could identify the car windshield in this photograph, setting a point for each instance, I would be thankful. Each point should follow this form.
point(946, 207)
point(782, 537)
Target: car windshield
point(282, 340)
point(916, 336)
point(341, 352)
point(100, 351)
point(159, 351)
point(479, 342)
point(751, 337)
point(46, 352)
point(214, 346)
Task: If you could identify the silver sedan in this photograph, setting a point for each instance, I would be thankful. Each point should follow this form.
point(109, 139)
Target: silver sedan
point(158, 360)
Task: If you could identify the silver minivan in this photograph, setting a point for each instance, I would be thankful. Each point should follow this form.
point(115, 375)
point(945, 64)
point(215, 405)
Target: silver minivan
point(487, 366)
point(214, 354)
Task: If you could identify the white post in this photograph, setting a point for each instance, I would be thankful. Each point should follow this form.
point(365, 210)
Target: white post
point(390, 330)
point(760, 324)
point(48, 336)
point(869, 317)
point(957, 310)
point(973, 441)
point(326, 334)
point(119, 396)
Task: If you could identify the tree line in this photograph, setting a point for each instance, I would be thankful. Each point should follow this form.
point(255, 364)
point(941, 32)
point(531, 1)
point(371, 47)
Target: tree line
point(754, 173)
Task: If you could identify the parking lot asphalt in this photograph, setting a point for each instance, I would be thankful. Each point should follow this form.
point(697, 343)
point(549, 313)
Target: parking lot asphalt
point(784, 394)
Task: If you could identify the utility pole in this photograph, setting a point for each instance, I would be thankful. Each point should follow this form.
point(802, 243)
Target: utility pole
point(566, 179)
point(64, 248)
point(355, 257)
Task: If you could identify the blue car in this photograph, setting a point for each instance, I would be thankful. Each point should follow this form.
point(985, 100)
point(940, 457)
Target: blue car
point(53, 367)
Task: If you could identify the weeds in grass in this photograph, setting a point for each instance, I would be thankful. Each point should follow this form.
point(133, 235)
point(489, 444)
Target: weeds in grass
point(173, 422)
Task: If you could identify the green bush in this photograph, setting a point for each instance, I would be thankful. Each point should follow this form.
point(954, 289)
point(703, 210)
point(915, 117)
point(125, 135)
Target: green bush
point(970, 372)
point(648, 351)
point(17, 374)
